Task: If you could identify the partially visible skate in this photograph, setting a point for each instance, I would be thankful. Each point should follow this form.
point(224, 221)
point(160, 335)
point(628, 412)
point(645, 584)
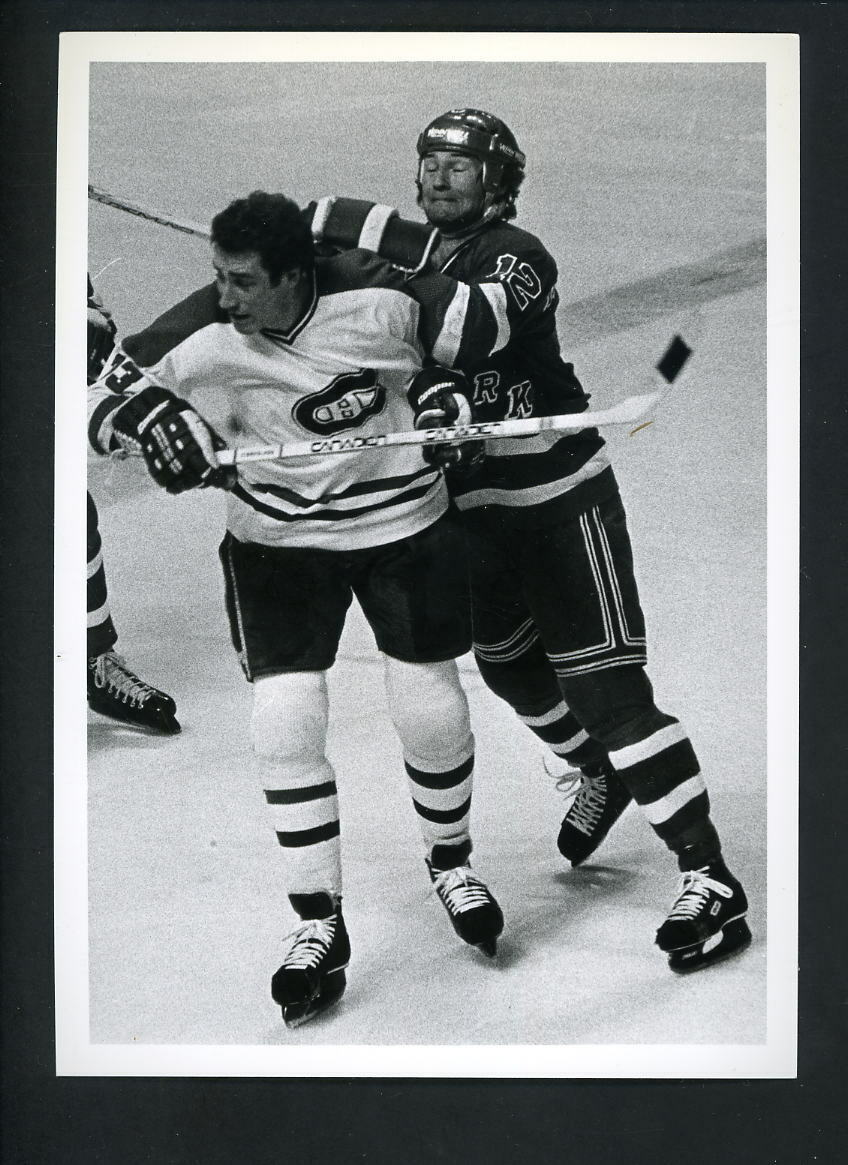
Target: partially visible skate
point(312, 977)
point(601, 799)
point(116, 691)
point(707, 919)
point(471, 906)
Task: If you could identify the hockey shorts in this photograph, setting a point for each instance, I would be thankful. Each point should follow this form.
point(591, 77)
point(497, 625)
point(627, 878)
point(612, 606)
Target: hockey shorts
point(569, 586)
point(287, 605)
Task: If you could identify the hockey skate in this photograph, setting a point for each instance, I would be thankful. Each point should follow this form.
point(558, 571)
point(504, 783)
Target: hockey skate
point(115, 691)
point(312, 975)
point(473, 911)
point(707, 920)
point(601, 799)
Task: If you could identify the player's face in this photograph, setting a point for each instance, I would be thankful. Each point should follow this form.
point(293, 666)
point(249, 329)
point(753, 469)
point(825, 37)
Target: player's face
point(451, 189)
point(247, 295)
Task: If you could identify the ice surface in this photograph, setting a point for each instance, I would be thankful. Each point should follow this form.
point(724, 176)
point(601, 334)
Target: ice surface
point(186, 905)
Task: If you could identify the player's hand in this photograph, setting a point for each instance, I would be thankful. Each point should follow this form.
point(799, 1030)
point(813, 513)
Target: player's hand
point(439, 399)
point(178, 446)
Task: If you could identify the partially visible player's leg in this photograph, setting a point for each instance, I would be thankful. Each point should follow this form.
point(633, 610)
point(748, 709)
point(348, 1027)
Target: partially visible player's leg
point(289, 737)
point(429, 710)
point(286, 611)
point(414, 595)
point(655, 759)
point(513, 662)
point(606, 686)
point(113, 689)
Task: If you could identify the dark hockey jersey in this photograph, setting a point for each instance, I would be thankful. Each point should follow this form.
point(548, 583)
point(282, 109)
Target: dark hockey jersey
point(536, 478)
point(343, 367)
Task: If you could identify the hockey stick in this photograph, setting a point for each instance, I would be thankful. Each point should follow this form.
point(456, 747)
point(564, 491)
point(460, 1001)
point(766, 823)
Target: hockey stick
point(628, 412)
point(164, 220)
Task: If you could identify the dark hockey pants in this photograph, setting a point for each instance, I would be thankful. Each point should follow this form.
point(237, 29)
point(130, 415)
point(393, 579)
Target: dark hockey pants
point(557, 618)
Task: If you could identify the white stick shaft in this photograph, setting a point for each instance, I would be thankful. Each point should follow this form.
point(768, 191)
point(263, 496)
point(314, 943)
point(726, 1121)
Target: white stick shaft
point(627, 412)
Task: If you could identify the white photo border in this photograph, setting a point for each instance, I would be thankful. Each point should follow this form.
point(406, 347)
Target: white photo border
point(777, 1056)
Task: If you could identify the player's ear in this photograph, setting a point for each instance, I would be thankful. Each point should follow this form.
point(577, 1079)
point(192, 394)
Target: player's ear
point(290, 279)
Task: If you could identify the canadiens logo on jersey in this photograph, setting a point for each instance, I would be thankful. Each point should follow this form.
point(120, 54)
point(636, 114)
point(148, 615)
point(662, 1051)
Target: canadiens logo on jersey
point(347, 402)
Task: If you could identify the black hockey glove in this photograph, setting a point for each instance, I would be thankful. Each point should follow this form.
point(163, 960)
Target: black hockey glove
point(439, 399)
point(176, 443)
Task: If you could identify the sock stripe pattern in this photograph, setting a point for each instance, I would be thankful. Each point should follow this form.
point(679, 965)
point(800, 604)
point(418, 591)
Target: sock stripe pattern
point(442, 801)
point(307, 813)
point(306, 837)
point(446, 780)
point(306, 823)
point(560, 730)
point(663, 774)
point(443, 816)
point(695, 812)
point(298, 796)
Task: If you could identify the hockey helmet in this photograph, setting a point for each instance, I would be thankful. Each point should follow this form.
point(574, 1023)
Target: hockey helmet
point(483, 136)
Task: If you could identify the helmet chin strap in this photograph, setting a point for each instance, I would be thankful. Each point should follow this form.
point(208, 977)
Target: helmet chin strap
point(492, 208)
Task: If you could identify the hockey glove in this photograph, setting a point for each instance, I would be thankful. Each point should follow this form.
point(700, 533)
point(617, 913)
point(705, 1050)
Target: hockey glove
point(176, 443)
point(101, 337)
point(439, 400)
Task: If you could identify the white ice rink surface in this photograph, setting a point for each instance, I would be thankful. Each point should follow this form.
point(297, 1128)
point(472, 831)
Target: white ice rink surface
point(632, 171)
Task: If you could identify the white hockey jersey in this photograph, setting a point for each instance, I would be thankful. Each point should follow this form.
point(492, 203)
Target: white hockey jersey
point(342, 368)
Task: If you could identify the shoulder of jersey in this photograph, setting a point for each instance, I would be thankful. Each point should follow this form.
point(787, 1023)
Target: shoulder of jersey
point(356, 270)
point(505, 236)
point(190, 315)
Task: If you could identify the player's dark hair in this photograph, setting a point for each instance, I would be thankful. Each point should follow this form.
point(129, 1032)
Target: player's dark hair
point(272, 226)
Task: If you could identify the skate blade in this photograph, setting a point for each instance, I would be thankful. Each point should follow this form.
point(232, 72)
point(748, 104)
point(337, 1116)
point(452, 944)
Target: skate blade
point(488, 948)
point(296, 1014)
point(167, 727)
point(735, 937)
point(163, 726)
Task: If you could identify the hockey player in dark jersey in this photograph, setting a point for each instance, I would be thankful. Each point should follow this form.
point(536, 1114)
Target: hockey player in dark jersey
point(300, 346)
point(113, 689)
point(558, 629)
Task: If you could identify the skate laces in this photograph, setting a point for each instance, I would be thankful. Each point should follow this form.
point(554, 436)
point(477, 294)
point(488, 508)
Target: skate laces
point(110, 671)
point(308, 943)
point(460, 889)
point(693, 892)
point(565, 782)
point(589, 803)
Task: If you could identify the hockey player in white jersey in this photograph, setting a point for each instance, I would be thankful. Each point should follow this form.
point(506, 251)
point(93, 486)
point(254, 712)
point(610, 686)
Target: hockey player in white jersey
point(303, 346)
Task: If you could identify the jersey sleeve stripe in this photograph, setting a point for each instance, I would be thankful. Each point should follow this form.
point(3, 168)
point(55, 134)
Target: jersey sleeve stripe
point(99, 431)
point(449, 340)
point(496, 296)
point(319, 219)
point(371, 235)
